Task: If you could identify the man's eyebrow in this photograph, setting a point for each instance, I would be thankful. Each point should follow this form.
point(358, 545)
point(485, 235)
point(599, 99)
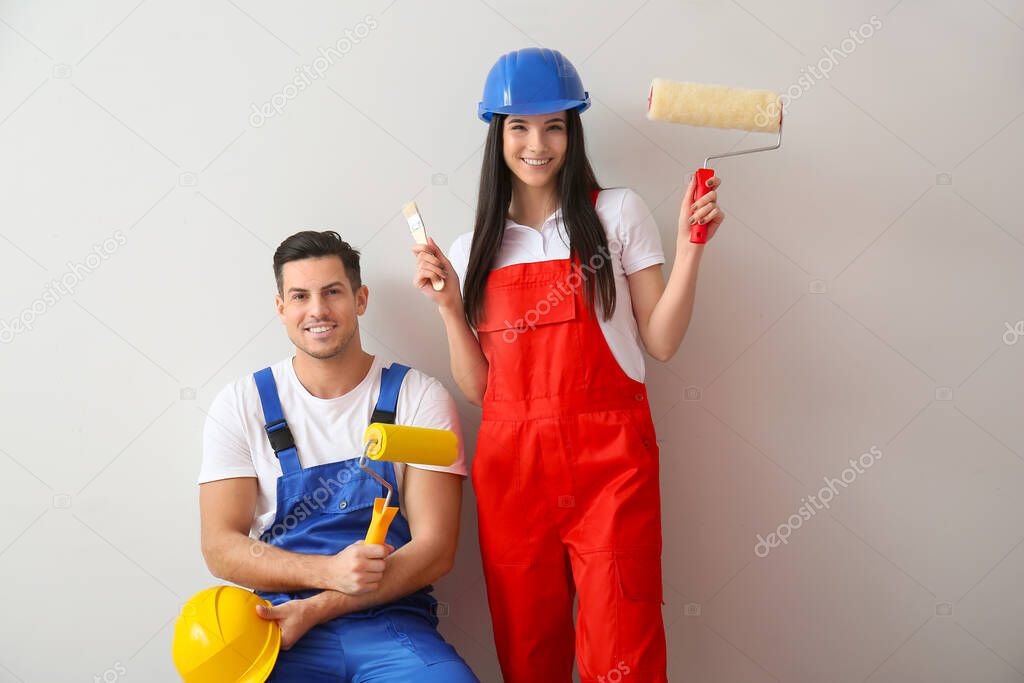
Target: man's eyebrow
point(336, 283)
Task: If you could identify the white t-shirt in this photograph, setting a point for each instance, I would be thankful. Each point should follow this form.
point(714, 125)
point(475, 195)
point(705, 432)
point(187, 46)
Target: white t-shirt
point(627, 222)
point(235, 440)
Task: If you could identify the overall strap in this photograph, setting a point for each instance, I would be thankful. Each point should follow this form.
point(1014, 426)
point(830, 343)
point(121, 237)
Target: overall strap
point(384, 412)
point(390, 384)
point(277, 429)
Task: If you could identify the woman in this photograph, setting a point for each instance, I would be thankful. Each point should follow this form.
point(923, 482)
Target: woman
point(561, 292)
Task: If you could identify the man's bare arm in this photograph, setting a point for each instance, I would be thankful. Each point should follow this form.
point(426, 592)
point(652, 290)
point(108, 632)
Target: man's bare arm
point(431, 502)
point(227, 508)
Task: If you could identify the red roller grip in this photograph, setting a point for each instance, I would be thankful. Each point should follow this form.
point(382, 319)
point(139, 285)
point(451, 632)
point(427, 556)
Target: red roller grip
point(699, 232)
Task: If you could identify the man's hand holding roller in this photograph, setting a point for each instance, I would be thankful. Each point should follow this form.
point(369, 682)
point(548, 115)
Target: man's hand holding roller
point(357, 569)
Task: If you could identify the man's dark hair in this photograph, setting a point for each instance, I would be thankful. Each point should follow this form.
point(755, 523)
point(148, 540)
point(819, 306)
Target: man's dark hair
point(312, 244)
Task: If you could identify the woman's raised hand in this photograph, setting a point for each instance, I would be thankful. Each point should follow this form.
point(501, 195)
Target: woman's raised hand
point(431, 263)
point(705, 210)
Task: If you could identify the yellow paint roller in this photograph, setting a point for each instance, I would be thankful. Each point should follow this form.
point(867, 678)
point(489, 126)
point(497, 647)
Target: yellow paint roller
point(401, 443)
point(715, 106)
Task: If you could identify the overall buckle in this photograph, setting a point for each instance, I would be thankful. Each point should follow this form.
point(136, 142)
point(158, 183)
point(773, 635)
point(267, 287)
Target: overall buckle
point(280, 436)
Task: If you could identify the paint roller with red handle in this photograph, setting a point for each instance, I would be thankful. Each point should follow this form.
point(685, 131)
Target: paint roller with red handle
point(714, 106)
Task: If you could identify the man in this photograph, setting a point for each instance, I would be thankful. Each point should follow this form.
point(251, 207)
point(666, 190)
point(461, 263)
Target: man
point(283, 504)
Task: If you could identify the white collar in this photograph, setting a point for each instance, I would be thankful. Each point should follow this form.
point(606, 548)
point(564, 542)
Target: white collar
point(509, 223)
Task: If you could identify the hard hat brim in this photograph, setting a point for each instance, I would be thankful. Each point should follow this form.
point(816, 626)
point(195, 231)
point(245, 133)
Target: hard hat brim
point(264, 665)
point(532, 108)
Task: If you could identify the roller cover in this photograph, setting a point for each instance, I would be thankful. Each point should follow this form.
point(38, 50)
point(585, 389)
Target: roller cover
point(714, 106)
point(418, 445)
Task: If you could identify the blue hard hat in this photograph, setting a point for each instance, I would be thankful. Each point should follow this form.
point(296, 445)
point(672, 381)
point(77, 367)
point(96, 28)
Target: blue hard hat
point(532, 81)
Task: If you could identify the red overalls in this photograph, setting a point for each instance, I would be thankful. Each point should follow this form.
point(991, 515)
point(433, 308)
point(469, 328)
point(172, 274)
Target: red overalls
point(566, 478)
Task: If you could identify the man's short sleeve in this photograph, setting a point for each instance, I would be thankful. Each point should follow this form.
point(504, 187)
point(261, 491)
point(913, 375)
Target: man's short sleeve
point(436, 410)
point(225, 449)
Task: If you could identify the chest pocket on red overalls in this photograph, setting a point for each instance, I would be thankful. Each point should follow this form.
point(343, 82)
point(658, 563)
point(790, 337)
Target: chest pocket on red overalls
point(526, 330)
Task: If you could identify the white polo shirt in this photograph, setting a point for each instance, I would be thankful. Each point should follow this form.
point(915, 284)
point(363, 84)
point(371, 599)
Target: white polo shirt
point(327, 430)
point(634, 243)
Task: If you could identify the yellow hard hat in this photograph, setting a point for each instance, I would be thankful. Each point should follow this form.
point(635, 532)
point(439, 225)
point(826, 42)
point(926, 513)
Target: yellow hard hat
point(219, 638)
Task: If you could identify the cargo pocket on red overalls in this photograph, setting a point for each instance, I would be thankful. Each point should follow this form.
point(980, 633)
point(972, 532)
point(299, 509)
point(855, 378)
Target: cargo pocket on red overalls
point(641, 635)
point(639, 575)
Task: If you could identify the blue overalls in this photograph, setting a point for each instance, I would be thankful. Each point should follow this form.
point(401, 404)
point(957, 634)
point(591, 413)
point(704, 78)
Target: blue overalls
point(324, 509)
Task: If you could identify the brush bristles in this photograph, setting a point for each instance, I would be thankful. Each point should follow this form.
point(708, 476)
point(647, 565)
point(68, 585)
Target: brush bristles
point(410, 210)
point(714, 106)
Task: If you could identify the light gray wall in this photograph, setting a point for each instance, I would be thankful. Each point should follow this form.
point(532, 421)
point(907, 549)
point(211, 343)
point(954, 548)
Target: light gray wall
point(865, 291)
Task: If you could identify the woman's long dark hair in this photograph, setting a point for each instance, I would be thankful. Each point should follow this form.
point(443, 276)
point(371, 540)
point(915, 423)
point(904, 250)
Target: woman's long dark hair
point(587, 237)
